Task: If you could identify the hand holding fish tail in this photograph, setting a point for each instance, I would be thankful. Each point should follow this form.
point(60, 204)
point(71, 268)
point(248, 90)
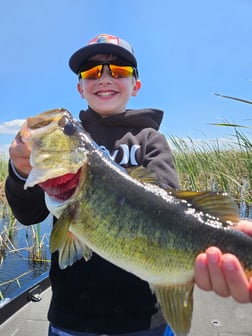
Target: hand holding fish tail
point(20, 156)
point(223, 273)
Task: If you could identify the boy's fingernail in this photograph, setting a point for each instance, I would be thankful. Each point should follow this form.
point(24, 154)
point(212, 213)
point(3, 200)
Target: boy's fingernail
point(213, 258)
point(228, 264)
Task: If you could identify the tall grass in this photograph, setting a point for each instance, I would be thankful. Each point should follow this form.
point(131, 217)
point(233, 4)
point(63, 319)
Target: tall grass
point(3, 173)
point(207, 166)
point(246, 148)
point(6, 215)
point(3, 167)
point(37, 251)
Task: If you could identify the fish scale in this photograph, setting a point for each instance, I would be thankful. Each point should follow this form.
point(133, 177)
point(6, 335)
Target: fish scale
point(144, 237)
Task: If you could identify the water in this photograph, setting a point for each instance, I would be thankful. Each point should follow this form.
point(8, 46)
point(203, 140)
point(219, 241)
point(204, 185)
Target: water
point(245, 211)
point(16, 265)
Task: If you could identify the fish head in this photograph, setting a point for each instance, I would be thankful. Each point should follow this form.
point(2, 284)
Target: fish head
point(58, 152)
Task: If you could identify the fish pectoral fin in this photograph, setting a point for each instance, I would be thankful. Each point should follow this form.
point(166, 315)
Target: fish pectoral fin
point(176, 302)
point(68, 245)
point(72, 250)
point(59, 233)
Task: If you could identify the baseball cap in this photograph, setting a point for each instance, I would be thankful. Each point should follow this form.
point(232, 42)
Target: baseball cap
point(103, 44)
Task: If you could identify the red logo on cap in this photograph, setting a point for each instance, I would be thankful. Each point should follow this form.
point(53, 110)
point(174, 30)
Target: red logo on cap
point(105, 39)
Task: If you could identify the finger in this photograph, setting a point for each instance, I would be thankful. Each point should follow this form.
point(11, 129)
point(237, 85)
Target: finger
point(201, 273)
point(216, 274)
point(235, 278)
point(245, 226)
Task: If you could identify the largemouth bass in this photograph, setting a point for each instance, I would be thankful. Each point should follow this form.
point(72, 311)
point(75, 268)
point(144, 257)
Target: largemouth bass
point(125, 217)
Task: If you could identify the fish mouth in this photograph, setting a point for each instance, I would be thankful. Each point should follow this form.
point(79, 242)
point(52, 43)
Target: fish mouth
point(62, 187)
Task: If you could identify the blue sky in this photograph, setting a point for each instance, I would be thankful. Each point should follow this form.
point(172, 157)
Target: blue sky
point(186, 50)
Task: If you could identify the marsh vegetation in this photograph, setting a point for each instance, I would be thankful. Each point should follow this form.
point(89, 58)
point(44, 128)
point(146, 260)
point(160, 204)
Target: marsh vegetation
point(19, 245)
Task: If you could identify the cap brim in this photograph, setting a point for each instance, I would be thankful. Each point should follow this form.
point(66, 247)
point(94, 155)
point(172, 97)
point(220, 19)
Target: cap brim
point(82, 55)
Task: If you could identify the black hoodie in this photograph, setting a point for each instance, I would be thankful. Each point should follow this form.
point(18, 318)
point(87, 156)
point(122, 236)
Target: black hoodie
point(96, 296)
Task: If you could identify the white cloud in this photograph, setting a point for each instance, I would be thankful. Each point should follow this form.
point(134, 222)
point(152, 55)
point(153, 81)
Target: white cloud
point(11, 127)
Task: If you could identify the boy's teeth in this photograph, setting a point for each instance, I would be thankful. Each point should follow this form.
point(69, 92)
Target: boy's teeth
point(105, 94)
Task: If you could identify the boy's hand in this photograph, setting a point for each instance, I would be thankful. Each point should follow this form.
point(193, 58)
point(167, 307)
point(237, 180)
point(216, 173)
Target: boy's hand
point(223, 273)
point(20, 156)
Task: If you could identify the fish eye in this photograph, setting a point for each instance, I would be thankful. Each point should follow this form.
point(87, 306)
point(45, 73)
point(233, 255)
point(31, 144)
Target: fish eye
point(69, 128)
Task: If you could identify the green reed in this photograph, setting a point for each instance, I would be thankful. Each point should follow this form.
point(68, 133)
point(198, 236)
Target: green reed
point(6, 214)
point(210, 166)
point(3, 173)
point(3, 167)
point(37, 251)
point(245, 145)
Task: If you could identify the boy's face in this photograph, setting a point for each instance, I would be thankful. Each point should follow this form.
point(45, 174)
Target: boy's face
point(107, 95)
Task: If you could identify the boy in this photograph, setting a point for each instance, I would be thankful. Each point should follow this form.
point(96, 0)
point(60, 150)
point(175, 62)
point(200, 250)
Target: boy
point(96, 297)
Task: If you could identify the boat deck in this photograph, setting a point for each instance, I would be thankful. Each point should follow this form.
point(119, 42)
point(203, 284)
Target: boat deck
point(213, 316)
point(31, 319)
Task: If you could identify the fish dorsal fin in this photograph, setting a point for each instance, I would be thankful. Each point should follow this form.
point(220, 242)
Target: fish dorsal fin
point(219, 205)
point(143, 175)
point(70, 248)
point(176, 302)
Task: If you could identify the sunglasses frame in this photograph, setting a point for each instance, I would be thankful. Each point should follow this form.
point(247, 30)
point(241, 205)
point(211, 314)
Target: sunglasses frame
point(89, 65)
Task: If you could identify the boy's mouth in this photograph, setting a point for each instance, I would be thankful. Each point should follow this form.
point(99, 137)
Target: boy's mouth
point(105, 93)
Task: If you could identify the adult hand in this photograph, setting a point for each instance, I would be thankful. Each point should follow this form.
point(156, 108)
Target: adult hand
point(223, 273)
point(20, 156)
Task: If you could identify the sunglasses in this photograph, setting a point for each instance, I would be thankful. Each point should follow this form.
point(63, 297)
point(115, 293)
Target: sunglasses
point(94, 70)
